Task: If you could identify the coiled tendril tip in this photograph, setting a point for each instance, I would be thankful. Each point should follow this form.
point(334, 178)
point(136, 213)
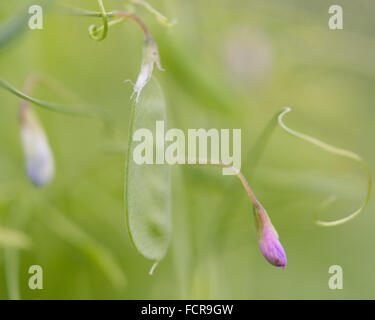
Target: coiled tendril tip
point(336, 151)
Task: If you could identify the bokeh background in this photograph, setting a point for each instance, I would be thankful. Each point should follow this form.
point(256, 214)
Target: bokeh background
point(228, 64)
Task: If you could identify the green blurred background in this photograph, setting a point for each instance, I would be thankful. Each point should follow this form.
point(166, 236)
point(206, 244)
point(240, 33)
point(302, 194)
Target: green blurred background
point(229, 64)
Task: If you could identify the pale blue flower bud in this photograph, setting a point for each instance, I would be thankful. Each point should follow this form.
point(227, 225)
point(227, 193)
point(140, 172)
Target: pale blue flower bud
point(39, 162)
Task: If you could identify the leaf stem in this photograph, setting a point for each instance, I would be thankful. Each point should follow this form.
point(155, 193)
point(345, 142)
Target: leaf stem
point(118, 13)
point(161, 18)
point(11, 257)
point(235, 170)
point(251, 160)
point(94, 113)
point(113, 14)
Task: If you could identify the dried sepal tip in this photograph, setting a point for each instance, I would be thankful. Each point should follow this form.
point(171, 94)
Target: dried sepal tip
point(150, 56)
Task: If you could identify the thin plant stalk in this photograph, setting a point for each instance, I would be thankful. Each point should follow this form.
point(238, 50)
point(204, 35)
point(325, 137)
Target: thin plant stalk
point(161, 18)
point(75, 111)
point(251, 160)
point(237, 172)
point(114, 14)
point(11, 259)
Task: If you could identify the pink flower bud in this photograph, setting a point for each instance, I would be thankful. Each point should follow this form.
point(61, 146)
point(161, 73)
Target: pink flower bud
point(268, 239)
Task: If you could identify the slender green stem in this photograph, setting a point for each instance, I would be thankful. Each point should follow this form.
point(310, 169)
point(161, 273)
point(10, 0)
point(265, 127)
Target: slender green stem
point(11, 257)
point(85, 13)
point(244, 183)
point(93, 113)
point(111, 23)
point(40, 103)
point(161, 18)
point(257, 150)
point(252, 158)
point(235, 170)
point(127, 165)
point(199, 161)
point(337, 151)
point(113, 14)
point(20, 215)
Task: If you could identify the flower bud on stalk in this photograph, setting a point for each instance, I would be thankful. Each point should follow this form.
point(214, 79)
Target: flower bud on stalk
point(268, 239)
point(150, 56)
point(39, 162)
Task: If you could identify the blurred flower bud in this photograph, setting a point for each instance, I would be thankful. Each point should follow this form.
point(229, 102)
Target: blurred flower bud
point(268, 238)
point(150, 57)
point(40, 166)
point(249, 58)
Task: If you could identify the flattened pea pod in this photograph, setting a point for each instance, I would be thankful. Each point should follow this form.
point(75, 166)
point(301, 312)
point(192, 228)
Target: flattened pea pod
point(148, 186)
